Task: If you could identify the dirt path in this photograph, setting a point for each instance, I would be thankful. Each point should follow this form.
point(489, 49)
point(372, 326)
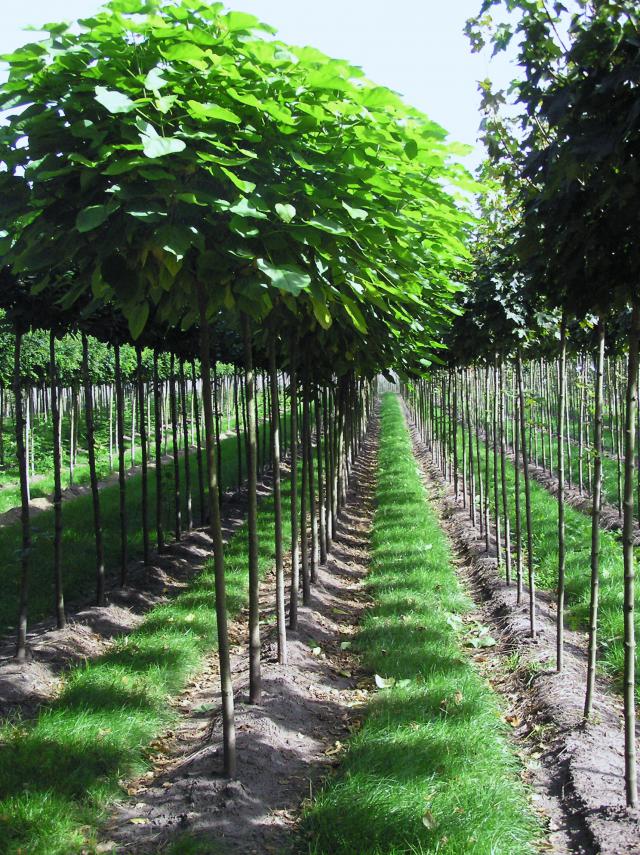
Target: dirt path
point(287, 743)
point(577, 770)
point(91, 630)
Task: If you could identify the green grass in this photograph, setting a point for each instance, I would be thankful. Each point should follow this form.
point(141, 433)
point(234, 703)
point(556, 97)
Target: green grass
point(425, 754)
point(544, 512)
point(78, 547)
point(59, 773)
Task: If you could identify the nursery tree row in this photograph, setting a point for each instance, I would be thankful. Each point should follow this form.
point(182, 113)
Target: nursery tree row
point(176, 179)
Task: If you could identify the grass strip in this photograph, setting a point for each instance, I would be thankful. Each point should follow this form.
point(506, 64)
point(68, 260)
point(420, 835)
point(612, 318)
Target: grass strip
point(431, 770)
point(59, 773)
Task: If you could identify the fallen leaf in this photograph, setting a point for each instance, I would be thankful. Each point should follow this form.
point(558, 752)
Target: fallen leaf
point(204, 708)
point(138, 820)
point(383, 682)
point(428, 820)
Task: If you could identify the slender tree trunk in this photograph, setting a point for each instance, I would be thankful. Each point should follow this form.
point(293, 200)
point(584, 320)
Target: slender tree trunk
point(21, 644)
point(518, 513)
point(304, 550)
point(121, 466)
point(57, 486)
point(295, 567)
point(187, 458)
point(496, 495)
point(238, 441)
point(143, 452)
point(2, 404)
point(176, 456)
point(561, 476)
point(595, 524)
point(326, 421)
point(157, 409)
point(322, 531)
point(277, 503)
point(503, 479)
point(527, 497)
point(216, 417)
point(629, 561)
point(196, 418)
point(95, 492)
point(226, 686)
point(255, 689)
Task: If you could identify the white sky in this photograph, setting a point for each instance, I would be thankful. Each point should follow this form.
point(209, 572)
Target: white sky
point(416, 47)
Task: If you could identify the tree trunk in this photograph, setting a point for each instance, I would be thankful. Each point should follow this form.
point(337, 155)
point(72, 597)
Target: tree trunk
point(216, 417)
point(255, 689)
point(527, 497)
point(322, 532)
point(143, 452)
point(157, 410)
point(187, 458)
point(629, 568)
point(595, 524)
point(176, 457)
point(57, 487)
point(277, 503)
point(238, 440)
point(196, 418)
point(304, 551)
point(503, 479)
point(295, 555)
point(226, 686)
point(95, 492)
point(21, 645)
point(121, 466)
point(561, 524)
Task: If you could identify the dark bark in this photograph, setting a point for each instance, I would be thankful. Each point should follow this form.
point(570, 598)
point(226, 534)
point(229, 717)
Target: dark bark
point(143, 456)
point(277, 503)
point(57, 487)
point(295, 554)
point(122, 474)
point(157, 409)
point(196, 416)
point(25, 522)
point(187, 458)
point(226, 686)
point(176, 456)
point(561, 477)
point(595, 524)
point(527, 497)
point(255, 688)
point(631, 782)
point(93, 475)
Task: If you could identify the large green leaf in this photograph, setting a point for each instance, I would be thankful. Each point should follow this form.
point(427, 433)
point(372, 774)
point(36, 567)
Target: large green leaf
point(286, 277)
point(114, 102)
point(213, 111)
point(327, 225)
point(285, 212)
point(92, 217)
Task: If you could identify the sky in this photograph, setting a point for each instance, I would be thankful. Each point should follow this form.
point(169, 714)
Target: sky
point(416, 47)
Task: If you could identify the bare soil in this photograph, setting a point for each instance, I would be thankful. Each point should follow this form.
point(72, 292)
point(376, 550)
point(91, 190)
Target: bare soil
point(288, 742)
point(576, 769)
